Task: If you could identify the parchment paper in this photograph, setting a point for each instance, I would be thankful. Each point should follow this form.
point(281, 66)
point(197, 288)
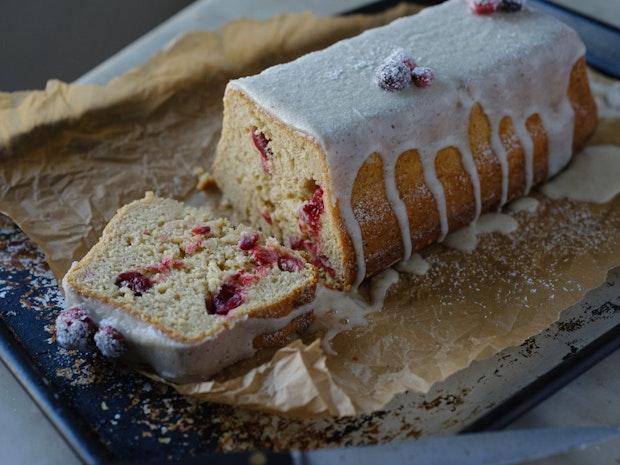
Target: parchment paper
point(71, 155)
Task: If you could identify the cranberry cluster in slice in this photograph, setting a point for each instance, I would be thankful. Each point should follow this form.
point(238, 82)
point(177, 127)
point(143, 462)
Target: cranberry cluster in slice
point(230, 295)
point(310, 219)
point(135, 281)
point(262, 145)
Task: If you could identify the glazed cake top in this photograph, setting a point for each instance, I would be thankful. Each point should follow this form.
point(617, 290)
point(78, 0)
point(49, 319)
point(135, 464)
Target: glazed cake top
point(513, 64)
point(330, 94)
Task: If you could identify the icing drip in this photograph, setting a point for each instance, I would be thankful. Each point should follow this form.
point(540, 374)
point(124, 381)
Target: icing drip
point(513, 64)
point(594, 176)
point(524, 204)
point(336, 311)
point(502, 156)
point(436, 188)
point(398, 206)
point(466, 239)
point(416, 265)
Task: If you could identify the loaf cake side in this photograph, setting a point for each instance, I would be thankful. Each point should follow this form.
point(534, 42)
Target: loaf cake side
point(187, 292)
point(398, 170)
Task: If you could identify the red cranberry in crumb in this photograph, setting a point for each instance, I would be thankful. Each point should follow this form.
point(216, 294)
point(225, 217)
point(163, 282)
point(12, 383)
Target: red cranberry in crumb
point(265, 257)
point(422, 76)
point(483, 7)
point(74, 329)
point(510, 6)
point(317, 259)
point(170, 263)
point(135, 281)
point(310, 212)
point(296, 243)
point(201, 230)
point(392, 76)
point(400, 55)
point(261, 143)
point(248, 241)
point(227, 298)
point(242, 278)
point(193, 247)
point(110, 342)
point(290, 264)
point(267, 216)
point(167, 264)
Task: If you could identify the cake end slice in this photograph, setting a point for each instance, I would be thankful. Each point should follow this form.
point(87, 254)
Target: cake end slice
point(175, 288)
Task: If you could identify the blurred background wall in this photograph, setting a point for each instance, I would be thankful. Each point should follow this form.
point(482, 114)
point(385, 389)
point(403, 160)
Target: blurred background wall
point(42, 39)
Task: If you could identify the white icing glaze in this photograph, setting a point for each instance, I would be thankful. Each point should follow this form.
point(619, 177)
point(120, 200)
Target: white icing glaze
point(336, 311)
point(524, 204)
point(177, 361)
point(513, 64)
point(593, 176)
point(416, 265)
point(466, 239)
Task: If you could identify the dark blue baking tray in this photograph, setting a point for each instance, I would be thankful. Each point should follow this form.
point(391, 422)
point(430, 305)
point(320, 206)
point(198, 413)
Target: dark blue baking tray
point(86, 415)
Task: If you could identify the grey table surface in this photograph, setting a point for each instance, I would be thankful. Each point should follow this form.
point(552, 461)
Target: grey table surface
point(27, 437)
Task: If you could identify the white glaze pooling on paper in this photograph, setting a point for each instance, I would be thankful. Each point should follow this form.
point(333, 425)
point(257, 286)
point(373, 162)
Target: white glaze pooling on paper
point(513, 64)
point(336, 311)
point(415, 265)
point(593, 176)
point(466, 239)
point(524, 204)
point(177, 361)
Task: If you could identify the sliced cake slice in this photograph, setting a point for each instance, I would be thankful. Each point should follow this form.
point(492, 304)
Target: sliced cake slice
point(184, 292)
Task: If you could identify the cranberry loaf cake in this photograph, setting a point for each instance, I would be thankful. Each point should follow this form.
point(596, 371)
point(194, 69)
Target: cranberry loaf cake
point(369, 150)
point(185, 292)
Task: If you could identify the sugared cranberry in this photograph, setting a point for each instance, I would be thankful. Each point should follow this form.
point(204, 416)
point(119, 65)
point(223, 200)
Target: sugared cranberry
point(227, 298)
point(201, 230)
point(262, 145)
point(74, 329)
point(400, 55)
point(267, 216)
point(265, 257)
point(135, 281)
point(310, 212)
point(483, 7)
point(110, 342)
point(248, 241)
point(510, 6)
point(422, 76)
point(290, 264)
point(392, 76)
